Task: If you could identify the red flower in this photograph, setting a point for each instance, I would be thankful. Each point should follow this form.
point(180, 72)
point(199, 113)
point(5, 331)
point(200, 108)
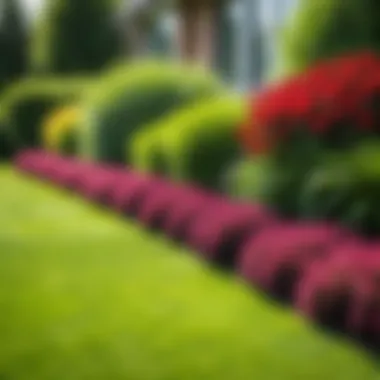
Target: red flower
point(343, 88)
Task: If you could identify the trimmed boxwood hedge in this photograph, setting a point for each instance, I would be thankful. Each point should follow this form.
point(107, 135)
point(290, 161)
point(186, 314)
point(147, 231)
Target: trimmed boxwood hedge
point(195, 144)
point(60, 129)
point(245, 178)
point(146, 152)
point(132, 96)
point(25, 104)
point(6, 145)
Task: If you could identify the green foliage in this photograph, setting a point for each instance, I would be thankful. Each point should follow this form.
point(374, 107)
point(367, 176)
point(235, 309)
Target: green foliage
point(6, 145)
point(133, 96)
point(76, 36)
point(69, 144)
point(25, 105)
point(288, 168)
point(244, 178)
point(195, 144)
point(327, 28)
point(147, 153)
point(13, 42)
point(60, 129)
point(344, 186)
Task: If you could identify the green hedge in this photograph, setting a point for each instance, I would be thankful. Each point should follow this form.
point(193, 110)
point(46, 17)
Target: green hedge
point(60, 129)
point(135, 95)
point(25, 104)
point(6, 145)
point(146, 150)
point(195, 144)
point(344, 186)
point(326, 28)
point(245, 178)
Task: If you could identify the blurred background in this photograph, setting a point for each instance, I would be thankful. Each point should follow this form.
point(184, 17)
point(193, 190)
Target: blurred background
point(261, 120)
point(238, 38)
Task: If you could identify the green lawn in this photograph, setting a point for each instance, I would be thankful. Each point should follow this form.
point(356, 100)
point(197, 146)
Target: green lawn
point(85, 295)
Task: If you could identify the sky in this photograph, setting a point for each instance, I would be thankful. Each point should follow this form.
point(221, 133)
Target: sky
point(32, 6)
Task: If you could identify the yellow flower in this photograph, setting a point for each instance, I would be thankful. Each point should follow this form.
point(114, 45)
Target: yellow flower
point(59, 126)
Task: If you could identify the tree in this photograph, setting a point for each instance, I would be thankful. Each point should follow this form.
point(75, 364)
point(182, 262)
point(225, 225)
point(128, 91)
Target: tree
point(76, 36)
point(13, 42)
point(326, 28)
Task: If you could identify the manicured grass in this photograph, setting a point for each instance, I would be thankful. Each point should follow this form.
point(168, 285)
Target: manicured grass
point(85, 295)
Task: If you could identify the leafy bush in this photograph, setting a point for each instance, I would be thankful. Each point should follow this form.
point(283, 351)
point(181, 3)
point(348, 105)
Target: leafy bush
point(181, 216)
point(244, 179)
point(156, 206)
point(338, 292)
point(60, 129)
point(331, 107)
point(251, 135)
point(344, 187)
point(128, 197)
point(221, 230)
point(97, 185)
point(324, 29)
point(334, 101)
point(6, 145)
point(277, 265)
point(147, 153)
point(130, 97)
point(195, 144)
point(25, 105)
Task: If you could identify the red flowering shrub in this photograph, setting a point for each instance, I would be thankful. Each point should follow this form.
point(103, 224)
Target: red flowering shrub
point(129, 196)
point(155, 204)
point(219, 231)
point(180, 217)
point(334, 106)
point(335, 94)
point(68, 173)
point(98, 184)
point(342, 291)
point(22, 158)
point(40, 164)
point(277, 258)
point(158, 206)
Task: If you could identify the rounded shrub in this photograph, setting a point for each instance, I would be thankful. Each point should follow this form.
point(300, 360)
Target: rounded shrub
point(62, 172)
point(278, 264)
point(6, 145)
point(97, 186)
point(221, 229)
point(331, 108)
point(59, 129)
point(244, 178)
point(334, 288)
point(25, 105)
point(157, 205)
point(146, 151)
point(195, 144)
point(129, 97)
point(128, 197)
point(344, 187)
point(72, 176)
point(180, 217)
